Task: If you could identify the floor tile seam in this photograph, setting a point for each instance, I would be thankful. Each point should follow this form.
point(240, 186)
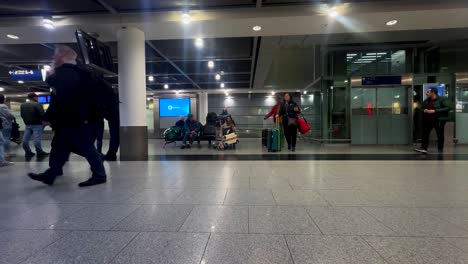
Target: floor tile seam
point(378, 220)
point(186, 218)
point(289, 249)
point(446, 220)
point(125, 218)
point(312, 219)
point(124, 247)
point(274, 198)
point(206, 246)
point(225, 195)
point(373, 249)
point(66, 233)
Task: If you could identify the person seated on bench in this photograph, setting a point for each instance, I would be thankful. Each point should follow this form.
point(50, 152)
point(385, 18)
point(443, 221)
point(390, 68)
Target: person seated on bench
point(191, 131)
point(181, 122)
point(229, 126)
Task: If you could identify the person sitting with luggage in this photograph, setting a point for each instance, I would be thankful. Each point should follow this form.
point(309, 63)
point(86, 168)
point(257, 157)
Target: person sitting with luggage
point(191, 131)
point(229, 126)
point(181, 122)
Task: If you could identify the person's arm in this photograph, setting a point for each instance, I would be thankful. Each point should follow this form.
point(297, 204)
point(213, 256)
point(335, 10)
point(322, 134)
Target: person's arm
point(8, 114)
point(272, 112)
point(446, 106)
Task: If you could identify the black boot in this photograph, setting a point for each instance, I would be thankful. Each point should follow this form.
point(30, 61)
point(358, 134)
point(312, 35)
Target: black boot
point(42, 177)
point(92, 181)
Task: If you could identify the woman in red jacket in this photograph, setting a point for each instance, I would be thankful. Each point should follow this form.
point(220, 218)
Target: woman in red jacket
point(275, 111)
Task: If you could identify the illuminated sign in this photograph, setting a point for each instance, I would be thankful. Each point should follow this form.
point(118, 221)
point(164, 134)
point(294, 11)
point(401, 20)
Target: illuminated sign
point(381, 80)
point(26, 75)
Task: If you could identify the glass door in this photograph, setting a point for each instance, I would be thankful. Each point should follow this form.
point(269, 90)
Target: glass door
point(461, 115)
point(380, 116)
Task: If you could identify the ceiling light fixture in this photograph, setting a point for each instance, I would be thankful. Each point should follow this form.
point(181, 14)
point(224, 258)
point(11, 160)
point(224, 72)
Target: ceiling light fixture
point(48, 23)
point(391, 22)
point(211, 64)
point(166, 86)
point(46, 67)
point(2, 89)
point(199, 43)
point(305, 92)
point(273, 93)
point(11, 36)
point(151, 78)
point(148, 99)
point(186, 18)
point(177, 92)
point(218, 77)
point(21, 82)
point(222, 85)
point(257, 28)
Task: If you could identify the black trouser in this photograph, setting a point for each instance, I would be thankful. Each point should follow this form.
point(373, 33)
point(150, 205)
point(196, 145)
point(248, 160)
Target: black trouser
point(99, 135)
point(439, 127)
point(290, 132)
point(114, 134)
point(78, 139)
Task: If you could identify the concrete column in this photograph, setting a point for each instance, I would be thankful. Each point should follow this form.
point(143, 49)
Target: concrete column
point(132, 94)
point(202, 107)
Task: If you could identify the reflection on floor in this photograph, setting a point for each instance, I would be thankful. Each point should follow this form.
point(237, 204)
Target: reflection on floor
point(185, 212)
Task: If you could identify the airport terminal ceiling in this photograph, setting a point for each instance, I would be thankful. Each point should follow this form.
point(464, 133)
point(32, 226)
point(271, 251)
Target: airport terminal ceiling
point(244, 62)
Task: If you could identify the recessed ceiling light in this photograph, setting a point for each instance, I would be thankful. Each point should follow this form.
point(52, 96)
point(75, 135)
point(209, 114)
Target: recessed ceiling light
point(11, 36)
point(48, 23)
point(226, 93)
point(166, 86)
point(218, 77)
point(199, 43)
point(332, 13)
point(250, 91)
point(222, 85)
point(151, 78)
point(20, 81)
point(305, 92)
point(273, 93)
point(177, 92)
point(46, 67)
point(257, 28)
point(2, 89)
point(211, 64)
point(27, 100)
point(148, 99)
point(391, 22)
point(186, 18)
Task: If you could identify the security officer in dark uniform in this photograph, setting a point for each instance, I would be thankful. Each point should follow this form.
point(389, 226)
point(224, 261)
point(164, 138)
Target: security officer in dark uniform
point(72, 115)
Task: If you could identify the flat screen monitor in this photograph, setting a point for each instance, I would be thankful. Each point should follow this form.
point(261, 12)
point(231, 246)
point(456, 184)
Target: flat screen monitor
point(175, 107)
point(95, 53)
point(44, 99)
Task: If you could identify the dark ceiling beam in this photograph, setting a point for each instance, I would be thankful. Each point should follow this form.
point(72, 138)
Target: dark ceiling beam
point(107, 6)
point(258, 5)
point(160, 54)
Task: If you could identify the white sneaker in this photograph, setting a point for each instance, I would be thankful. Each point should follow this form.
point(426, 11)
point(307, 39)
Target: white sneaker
point(421, 150)
point(6, 163)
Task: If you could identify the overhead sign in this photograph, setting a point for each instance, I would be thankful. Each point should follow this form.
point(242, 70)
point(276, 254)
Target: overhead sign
point(381, 80)
point(26, 75)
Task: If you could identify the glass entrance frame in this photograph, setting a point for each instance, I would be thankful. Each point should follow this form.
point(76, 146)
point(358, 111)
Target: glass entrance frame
point(388, 112)
point(461, 108)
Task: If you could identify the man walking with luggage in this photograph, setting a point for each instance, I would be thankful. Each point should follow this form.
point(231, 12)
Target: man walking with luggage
point(72, 115)
point(32, 113)
point(436, 113)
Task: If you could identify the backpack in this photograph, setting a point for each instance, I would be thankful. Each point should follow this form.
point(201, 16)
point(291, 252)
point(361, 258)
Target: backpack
point(104, 100)
point(172, 134)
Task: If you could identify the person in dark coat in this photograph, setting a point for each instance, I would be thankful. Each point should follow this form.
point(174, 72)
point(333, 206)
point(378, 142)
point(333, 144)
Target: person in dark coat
point(72, 115)
point(289, 112)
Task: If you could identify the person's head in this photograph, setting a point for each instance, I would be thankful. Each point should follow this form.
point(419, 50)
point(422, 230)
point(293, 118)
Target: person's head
point(287, 97)
point(432, 93)
point(229, 119)
point(63, 54)
point(182, 118)
point(279, 99)
point(191, 117)
point(2, 99)
point(33, 97)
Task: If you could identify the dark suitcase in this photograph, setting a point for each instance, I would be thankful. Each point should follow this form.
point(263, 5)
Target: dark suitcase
point(269, 139)
point(264, 137)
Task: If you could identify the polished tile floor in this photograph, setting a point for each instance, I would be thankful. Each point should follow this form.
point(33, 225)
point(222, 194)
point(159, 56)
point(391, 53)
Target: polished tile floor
point(203, 212)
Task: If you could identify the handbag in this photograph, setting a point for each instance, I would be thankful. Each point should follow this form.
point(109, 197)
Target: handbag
point(292, 121)
point(303, 126)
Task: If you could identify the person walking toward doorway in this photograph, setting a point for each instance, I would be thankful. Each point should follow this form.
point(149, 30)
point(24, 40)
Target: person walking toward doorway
point(32, 113)
point(435, 114)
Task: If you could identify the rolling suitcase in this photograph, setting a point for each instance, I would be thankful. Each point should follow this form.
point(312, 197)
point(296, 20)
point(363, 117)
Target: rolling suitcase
point(264, 137)
point(275, 139)
point(269, 139)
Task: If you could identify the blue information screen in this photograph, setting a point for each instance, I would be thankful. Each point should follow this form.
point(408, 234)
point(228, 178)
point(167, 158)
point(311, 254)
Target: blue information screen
point(174, 107)
point(44, 99)
point(26, 75)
